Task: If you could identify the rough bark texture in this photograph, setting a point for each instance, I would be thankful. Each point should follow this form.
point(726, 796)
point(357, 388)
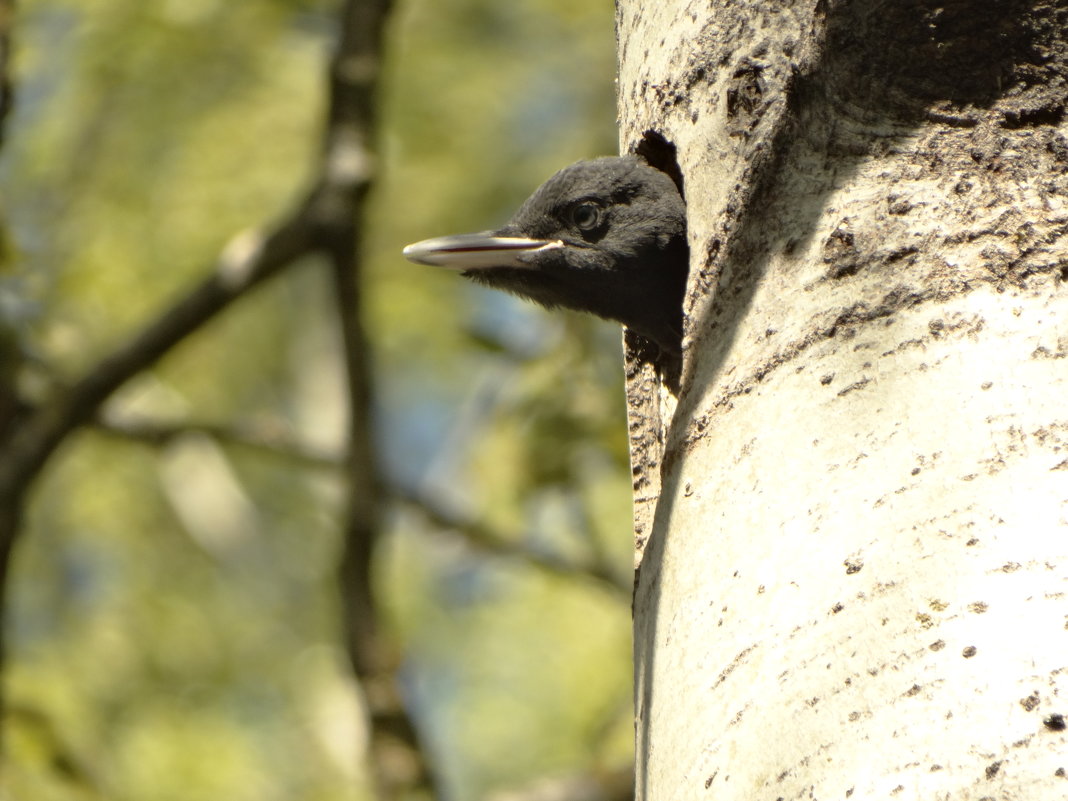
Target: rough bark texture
point(855, 580)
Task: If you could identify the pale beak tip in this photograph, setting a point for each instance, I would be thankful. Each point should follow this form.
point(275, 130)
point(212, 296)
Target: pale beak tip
point(413, 253)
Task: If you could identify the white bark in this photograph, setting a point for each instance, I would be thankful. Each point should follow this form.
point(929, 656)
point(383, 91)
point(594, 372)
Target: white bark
point(856, 576)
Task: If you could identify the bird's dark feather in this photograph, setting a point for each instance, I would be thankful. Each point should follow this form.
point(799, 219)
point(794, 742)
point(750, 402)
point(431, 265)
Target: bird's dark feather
point(630, 267)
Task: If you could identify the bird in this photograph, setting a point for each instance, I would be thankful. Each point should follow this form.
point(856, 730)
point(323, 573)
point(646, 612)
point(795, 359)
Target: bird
point(605, 236)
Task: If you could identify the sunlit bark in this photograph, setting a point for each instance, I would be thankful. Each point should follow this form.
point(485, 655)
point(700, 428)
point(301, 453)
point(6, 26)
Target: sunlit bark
point(856, 565)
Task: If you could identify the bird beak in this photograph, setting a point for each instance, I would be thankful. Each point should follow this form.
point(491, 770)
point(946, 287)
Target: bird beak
point(477, 251)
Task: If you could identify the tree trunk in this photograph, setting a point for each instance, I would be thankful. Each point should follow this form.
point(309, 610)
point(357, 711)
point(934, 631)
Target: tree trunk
point(854, 513)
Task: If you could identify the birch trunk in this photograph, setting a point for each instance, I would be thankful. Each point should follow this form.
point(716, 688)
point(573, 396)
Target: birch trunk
point(853, 516)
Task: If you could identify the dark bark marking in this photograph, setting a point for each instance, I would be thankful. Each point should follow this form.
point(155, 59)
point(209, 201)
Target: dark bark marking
point(949, 61)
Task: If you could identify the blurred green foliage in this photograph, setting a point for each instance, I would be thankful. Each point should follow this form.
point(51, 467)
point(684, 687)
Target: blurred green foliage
point(173, 614)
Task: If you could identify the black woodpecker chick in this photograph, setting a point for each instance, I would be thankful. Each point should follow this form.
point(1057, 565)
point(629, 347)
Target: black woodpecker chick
point(606, 236)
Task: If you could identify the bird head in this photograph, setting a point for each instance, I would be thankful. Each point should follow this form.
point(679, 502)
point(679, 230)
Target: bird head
point(606, 236)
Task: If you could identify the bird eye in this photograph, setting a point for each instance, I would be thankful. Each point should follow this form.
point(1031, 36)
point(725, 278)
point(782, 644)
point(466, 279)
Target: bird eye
point(586, 215)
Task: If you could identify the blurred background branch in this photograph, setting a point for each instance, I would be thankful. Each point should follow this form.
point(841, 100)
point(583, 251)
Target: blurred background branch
point(273, 441)
point(7, 99)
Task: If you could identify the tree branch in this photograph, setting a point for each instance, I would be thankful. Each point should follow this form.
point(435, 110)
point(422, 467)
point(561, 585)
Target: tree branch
point(264, 439)
point(485, 539)
point(398, 761)
point(7, 92)
point(474, 534)
point(248, 261)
